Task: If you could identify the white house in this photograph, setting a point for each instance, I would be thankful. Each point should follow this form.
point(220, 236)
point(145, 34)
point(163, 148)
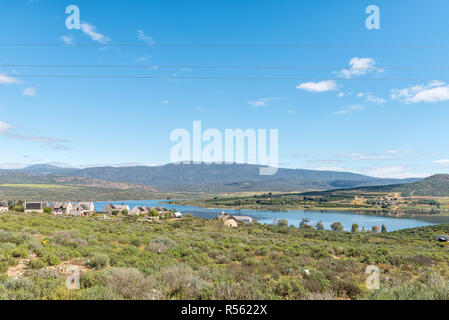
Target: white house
point(61, 208)
point(82, 209)
point(4, 206)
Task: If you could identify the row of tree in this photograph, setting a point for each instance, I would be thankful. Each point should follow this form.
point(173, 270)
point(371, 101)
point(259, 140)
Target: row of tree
point(336, 226)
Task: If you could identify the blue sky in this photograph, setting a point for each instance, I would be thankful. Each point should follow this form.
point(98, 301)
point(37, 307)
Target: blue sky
point(381, 127)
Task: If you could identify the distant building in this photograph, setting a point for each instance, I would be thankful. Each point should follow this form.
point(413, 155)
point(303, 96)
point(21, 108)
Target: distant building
point(140, 211)
point(110, 208)
point(4, 206)
point(244, 219)
point(160, 210)
point(178, 214)
point(82, 209)
point(228, 220)
point(61, 208)
point(35, 207)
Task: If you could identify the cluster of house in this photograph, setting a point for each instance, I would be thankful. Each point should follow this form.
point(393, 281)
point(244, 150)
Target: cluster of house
point(139, 210)
point(61, 208)
point(87, 208)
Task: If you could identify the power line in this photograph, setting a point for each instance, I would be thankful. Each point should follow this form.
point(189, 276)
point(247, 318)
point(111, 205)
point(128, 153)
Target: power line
point(214, 67)
point(206, 77)
point(193, 45)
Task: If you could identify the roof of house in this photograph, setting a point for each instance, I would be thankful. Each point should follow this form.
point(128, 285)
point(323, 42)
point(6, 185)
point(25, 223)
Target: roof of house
point(83, 205)
point(3, 203)
point(59, 205)
point(225, 217)
point(34, 205)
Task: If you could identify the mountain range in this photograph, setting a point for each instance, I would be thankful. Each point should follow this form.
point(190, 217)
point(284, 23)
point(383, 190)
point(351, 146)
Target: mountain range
point(203, 177)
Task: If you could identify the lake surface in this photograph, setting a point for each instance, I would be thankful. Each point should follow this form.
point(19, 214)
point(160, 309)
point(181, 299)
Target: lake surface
point(294, 217)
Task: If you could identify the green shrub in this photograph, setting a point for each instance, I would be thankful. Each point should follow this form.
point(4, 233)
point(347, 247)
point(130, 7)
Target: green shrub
point(52, 259)
point(36, 264)
point(99, 261)
point(19, 252)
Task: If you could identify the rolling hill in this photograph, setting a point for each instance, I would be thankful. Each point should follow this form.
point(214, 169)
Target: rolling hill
point(433, 186)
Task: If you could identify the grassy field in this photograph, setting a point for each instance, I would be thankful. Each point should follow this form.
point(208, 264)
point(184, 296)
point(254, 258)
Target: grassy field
point(192, 258)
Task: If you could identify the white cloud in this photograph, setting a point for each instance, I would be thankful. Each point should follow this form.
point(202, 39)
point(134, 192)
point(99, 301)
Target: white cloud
point(67, 39)
point(144, 58)
point(4, 127)
point(30, 91)
point(202, 109)
point(389, 154)
point(141, 35)
point(322, 86)
point(262, 102)
point(165, 102)
point(340, 95)
point(441, 161)
point(371, 98)
point(4, 79)
point(387, 172)
point(434, 91)
point(347, 110)
point(91, 31)
point(291, 111)
point(364, 156)
point(358, 67)
point(6, 131)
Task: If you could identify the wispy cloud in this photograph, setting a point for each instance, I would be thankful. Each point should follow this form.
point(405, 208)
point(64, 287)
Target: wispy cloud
point(144, 58)
point(262, 102)
point(348, 110)
point(4, 79)
point(142, 36)
point(322, 86)
point(6, 130)
point(30, 91)
point(441, 161)
point(434, 91)
point(389, 154)
point(91, 31)
point(202, 109)
point(371, 98)
point(358, 67)
point(67, 39)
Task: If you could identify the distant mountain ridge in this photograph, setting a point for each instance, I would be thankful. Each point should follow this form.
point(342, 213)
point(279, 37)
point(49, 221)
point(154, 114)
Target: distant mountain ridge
point(216, 177)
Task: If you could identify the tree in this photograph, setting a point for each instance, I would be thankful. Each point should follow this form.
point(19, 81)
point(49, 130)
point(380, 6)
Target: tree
point(282, 223)
point(152, 213)
point(47, 210)
point(375, 229)
point(18, 208)
point(384, 228)
point(355, 227)
point(337, 226)
point(363, 229)
point(125, 212)
point(319, 225)
point(304, 224)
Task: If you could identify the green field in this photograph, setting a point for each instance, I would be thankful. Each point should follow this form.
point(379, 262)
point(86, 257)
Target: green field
point(194, 258)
